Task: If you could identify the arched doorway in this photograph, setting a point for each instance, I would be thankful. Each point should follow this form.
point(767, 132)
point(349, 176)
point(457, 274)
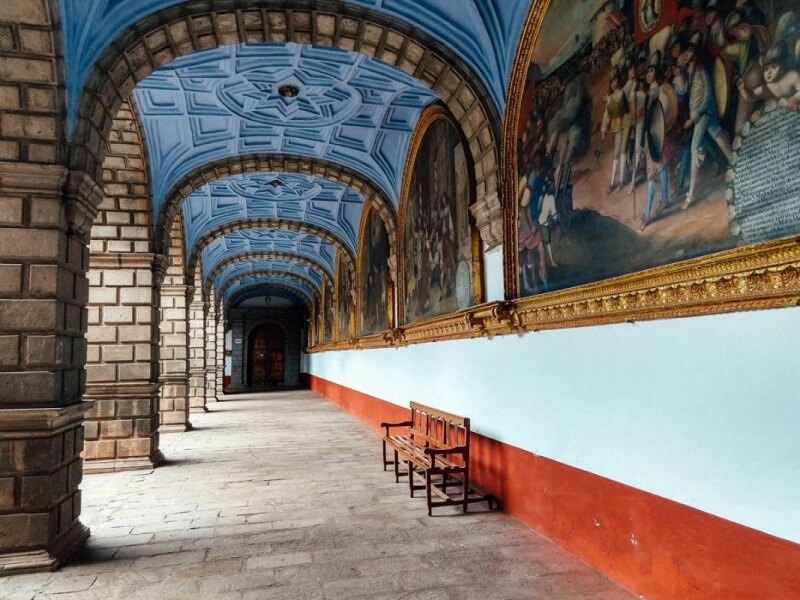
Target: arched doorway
point(266, 355)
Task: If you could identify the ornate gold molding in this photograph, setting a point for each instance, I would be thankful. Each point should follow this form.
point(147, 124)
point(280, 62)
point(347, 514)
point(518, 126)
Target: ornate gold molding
point(766, 276)
point(508, 156)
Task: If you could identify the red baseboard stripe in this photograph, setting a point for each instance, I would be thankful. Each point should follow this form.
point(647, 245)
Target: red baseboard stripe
point(653, 546)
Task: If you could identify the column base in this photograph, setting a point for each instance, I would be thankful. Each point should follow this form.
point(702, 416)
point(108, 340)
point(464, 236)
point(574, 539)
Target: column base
point(111, 465)
point(175, 428)
point(36, 561)
point(198, 409)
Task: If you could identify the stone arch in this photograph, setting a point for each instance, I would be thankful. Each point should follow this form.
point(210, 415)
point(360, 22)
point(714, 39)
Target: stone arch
point(265, 254)
point(183, 29)
point(262, 223)
point(278, 163)
point(276, 286)
point(266, 273)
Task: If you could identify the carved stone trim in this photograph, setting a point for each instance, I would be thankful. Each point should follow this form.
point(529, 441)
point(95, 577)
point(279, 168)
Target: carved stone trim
point(82, 197)
point(40, 422)
point(31, 177)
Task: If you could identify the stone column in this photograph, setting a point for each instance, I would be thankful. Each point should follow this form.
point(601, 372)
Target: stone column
point(197, 350)
point(238, 377)
point(220, 354)
point(122, 366)
point(174, 319)
point(211, 352)
point(44, 230)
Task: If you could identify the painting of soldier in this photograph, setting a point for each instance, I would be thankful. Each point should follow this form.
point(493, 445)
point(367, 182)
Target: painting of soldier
point(374, 299)
point(437, 232)
point(343, 301)
point(630, 130)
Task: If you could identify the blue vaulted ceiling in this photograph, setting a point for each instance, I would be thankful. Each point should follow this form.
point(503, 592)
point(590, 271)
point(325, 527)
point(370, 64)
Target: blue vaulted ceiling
point(269, 264)
point(351, 110)
point(292, 298)
point(264, 240)
point(288, 196)
point(265, 282)
point(483, 33)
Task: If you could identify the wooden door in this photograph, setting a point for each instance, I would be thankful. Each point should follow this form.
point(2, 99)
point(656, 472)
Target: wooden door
point(267, 343)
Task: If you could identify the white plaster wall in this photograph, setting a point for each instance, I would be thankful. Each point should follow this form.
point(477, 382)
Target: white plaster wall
point(493, 274)
point(703, 411)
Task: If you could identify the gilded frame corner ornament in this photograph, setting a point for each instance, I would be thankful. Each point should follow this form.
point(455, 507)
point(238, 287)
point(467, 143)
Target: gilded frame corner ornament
point(429, 116)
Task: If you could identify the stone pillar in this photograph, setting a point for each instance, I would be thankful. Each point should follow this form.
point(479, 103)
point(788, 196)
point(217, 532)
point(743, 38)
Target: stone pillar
point(122, 365)
point(44, 230)
point(211, 352)
point(220, 354)
point(197, 350)
point(174, 319)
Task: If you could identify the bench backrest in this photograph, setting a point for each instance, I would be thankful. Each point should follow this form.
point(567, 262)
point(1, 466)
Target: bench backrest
point(438, 429)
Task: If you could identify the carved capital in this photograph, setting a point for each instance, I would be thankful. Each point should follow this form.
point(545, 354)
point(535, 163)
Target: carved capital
point(488, 214)
point(82, 197)
point(160, 266)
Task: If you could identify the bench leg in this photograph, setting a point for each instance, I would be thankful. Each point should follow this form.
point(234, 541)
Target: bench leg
point(396, 468)
point(428, 494)
point(384, 455)
point(410, 478)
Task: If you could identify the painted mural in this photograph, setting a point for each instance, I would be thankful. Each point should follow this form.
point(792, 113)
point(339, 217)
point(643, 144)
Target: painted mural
point(437, 238)
point(374, 284)
point(343, 300)
point(656, 131)
point(330, 313)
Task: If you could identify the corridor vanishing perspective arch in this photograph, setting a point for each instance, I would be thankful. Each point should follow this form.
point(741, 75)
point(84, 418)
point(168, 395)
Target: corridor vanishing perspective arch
point(413, 190)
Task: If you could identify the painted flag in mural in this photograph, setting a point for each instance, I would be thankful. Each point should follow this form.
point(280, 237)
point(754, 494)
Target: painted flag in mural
point(651, 16)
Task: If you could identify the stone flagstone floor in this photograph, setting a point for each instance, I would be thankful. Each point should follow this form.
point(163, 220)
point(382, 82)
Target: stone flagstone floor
point(281, 496)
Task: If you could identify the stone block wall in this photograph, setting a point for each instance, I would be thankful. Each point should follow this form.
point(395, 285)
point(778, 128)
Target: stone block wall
point(174, 322)
point(211, 350)
point(220, 353)
point(122, 360)
point(198, 311)
point(44, 212)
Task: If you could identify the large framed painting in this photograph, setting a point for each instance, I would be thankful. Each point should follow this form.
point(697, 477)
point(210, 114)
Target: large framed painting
point(374, 303)
point(344, 298)
point(656, 132)
point(439, 268)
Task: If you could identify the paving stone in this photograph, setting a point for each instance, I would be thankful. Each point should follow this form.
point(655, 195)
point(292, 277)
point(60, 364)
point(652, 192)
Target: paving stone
point(280, 496)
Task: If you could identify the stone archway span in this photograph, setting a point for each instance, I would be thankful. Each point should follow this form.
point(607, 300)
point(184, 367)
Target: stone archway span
point(264, 254)
point(262, 223)
point(275, 286)
point(159, 38)
point(265, 273)
point(277, 163)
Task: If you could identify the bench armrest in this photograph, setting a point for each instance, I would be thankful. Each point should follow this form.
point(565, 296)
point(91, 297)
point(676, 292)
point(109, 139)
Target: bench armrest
point(388, 426)
point(442, 451)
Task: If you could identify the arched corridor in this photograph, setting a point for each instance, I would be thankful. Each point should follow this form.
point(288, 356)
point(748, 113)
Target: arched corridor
point(549, 249)
point(280, 496)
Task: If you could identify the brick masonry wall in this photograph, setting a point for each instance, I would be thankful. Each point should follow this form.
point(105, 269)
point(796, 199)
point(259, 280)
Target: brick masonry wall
point(174, 326)
point(211, 349)
point(44, 255)
point(198, 311)
point(31, 129)
point(122, 363)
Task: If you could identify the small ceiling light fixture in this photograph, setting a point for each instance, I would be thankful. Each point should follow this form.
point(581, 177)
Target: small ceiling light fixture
point(268, 300)
point(276, 183)
point(288, 90)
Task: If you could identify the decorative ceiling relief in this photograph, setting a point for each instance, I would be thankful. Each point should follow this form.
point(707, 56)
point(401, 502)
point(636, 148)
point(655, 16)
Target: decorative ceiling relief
point(294, 298)
point(269, 282)
point(278, 98)
point(273, 265)
point(288, 196)
point(305, 246)
point(482, 33)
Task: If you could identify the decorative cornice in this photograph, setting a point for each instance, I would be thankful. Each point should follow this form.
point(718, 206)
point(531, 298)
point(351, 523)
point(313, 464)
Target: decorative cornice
point(764, 276)
point(31, 177)
point(82, 197)
point(40, 422)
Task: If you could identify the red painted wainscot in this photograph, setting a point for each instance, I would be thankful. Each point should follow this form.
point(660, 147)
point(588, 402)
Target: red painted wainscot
point(653, 546)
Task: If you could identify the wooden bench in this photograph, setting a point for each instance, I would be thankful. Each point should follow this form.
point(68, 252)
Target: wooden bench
point(436, 451)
